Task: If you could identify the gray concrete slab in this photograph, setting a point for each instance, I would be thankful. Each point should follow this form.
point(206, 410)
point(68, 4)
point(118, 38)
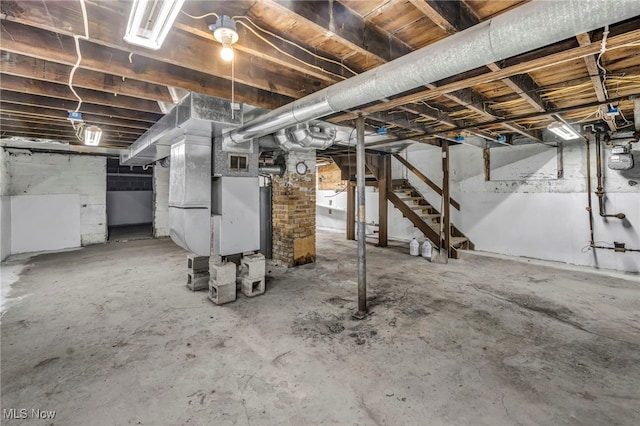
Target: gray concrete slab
point(111, 335)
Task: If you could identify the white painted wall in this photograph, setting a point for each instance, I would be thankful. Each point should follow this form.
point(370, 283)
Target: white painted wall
point(44, 222)
point(41, 174)
point(538, 218)
point(160, 201)
point(129, 207)
point(5, 207)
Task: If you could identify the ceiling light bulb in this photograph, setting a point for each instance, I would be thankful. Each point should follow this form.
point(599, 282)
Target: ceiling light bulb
point(92, 135)
point(226, 53)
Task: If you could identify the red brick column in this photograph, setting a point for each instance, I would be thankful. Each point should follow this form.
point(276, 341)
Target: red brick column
point(294, 212)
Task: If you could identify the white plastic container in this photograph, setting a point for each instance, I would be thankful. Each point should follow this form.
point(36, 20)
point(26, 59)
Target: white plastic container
point(426, 249)
point(414, 247)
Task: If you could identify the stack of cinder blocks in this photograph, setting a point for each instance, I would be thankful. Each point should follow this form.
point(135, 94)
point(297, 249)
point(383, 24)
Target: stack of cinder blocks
point(251, 277)
point(222, 284)
point(197, 272)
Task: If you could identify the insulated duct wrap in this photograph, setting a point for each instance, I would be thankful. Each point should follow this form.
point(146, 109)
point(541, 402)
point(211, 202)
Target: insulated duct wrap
point(531, 26)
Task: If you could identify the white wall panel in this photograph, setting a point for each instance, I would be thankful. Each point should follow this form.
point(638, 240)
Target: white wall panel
point(44, 222)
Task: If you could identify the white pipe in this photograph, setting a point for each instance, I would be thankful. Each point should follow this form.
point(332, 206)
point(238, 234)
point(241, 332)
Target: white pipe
point(528, 27)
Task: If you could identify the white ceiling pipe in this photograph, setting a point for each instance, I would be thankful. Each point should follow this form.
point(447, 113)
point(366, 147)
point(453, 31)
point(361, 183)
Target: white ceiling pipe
point(528, 27)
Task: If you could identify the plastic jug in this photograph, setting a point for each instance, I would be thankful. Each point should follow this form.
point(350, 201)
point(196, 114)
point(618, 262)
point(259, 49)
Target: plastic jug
point(426, 249)
point(414, 247)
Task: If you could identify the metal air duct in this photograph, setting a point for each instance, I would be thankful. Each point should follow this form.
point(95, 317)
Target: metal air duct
point(528, 27)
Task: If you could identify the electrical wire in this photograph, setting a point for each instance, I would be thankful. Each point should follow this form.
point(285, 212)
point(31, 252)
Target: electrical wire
point(603, 49)
point(290, 55)
point(76, 39)
point(340, 64)
point(201, 16)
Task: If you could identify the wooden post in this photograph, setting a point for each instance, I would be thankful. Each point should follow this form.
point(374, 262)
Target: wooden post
point(445, 219)
point(383, 186)
point(351, 211)
point(487, 164)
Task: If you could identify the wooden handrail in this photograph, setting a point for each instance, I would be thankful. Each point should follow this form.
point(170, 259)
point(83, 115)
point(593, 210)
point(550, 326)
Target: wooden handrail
point(425, 179)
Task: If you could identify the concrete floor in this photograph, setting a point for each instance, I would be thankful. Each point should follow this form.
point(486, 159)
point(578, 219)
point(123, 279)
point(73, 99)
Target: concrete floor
point(110, 335)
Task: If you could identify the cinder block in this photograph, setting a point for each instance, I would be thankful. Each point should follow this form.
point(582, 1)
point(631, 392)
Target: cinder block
point(197, 263)
point(253, 266)
point(197, 281)
point(252, 287)
point(222, 293)
point(224, 273)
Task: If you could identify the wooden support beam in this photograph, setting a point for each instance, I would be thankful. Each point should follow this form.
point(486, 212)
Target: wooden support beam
point(384, 181)
point(455, 17)
point(52, 72)
point(61, 114)
point(62, 91)
point(486, 155)
point(351, 210)
point(345, 25)
point(18, 98)
point(106, 27)
point(590, 62)
point(60, 49)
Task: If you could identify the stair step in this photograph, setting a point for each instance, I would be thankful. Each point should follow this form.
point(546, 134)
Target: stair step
point(430, 217)
point(421, 207)
point(410, 198)
point(457, 241)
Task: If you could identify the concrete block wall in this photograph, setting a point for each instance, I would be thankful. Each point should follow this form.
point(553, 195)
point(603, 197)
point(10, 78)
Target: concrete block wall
point(5, 206)
point(294, 212)
point(542, 218)
point(160, 201)
point(46, 174)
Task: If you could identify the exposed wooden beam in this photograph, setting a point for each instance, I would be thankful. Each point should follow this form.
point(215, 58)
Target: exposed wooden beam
point(59, 49)
point(282, 55)
point(17, 97)
point(18, 109)
point(106, 27)
point(338, 20)
point(69, 136)
point(520, 68)
point(62, 91)
point(453, 16)
point(9, 122)
point(590, 62)
point(39, 69)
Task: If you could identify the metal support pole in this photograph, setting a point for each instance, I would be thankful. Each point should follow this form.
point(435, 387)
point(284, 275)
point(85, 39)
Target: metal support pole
point(445, 218)
point(362, 240)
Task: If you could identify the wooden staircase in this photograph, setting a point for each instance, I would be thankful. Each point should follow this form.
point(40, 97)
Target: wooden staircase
point(425, 217)
point(405, 198)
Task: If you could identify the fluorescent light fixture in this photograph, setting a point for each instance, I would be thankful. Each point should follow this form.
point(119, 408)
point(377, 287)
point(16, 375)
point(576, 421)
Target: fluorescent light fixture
point(150, 22)
point(563, 130)
point(225, 32)
point(92, 135)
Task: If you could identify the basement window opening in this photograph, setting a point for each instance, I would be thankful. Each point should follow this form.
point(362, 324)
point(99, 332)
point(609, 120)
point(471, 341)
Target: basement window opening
point(238, 162)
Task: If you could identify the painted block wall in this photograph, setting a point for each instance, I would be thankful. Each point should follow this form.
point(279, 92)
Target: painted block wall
point(538, 218)
point(5, 207)
point(160, 201)
point(46, 174)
